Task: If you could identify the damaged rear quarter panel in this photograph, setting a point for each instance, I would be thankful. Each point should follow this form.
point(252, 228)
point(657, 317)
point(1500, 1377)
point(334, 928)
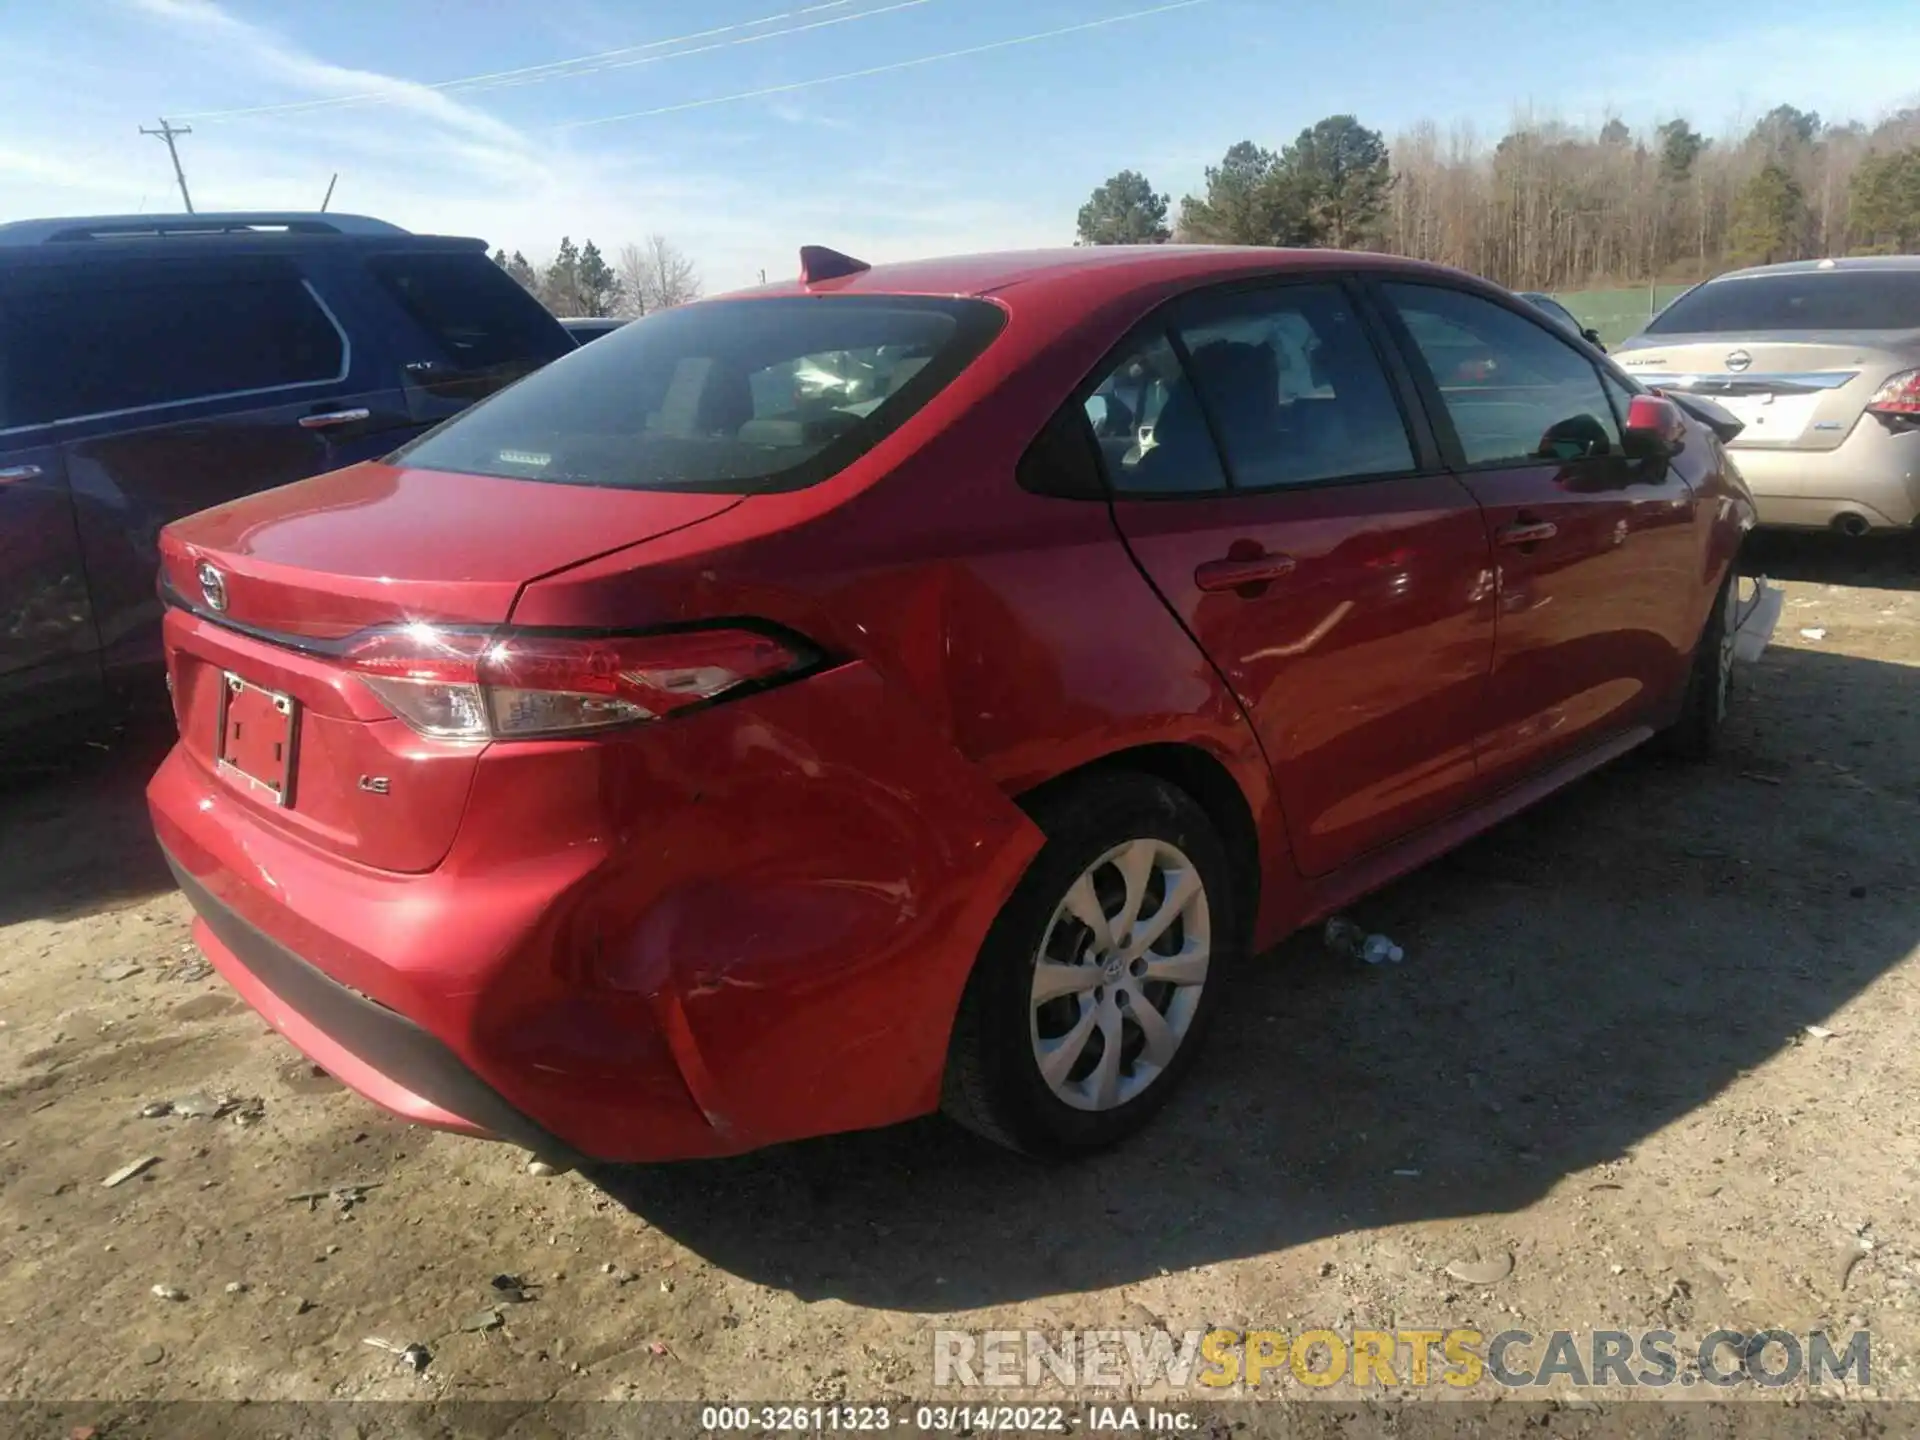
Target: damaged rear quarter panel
point(803, 887)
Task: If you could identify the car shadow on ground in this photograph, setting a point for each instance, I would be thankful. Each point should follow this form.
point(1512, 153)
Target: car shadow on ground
point(1878, 561)
point(74, 831)
point(1576, 980)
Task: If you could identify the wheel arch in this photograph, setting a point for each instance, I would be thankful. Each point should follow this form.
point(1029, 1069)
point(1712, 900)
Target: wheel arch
point(1202, 776)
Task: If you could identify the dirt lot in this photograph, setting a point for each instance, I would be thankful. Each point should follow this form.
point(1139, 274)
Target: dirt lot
point(1596, 1060)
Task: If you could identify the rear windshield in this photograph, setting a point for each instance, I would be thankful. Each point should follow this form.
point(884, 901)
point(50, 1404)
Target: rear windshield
point(478, 314)
point(736, 396)
point(1799, 300)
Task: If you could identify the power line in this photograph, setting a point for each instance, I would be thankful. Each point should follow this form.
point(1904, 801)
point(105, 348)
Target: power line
point(168, 133)
point(771, 90)
point(592, 64)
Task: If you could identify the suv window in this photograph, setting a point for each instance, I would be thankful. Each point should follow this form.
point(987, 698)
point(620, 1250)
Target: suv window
point(1797, 300)
point(1515, 391)
point(735, 396)
point(478, 314)
point(1553, 310)
point(1150, 427)
point(1294, 387)
point(108, 338)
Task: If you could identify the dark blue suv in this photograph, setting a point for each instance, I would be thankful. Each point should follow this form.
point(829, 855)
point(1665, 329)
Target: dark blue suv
point(152, 366)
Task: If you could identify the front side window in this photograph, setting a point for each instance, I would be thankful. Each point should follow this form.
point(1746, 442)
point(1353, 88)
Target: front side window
point(1515, 391)
point(1620, 393)
point(733, 396)
point(101, 339)
point(1294, 387)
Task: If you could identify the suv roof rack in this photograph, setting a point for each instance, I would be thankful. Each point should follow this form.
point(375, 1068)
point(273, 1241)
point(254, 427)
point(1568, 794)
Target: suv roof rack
point(151, 227)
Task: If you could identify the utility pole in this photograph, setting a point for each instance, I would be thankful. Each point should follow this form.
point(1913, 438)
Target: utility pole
point(167, 133)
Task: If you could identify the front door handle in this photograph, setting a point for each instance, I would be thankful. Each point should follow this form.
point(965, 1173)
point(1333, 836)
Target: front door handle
point(1528, 532)
point(13, 474)
point(327, 419)
point(1217, 575)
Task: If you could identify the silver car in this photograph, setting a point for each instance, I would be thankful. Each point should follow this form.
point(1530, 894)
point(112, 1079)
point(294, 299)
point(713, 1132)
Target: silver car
point(1820, 360)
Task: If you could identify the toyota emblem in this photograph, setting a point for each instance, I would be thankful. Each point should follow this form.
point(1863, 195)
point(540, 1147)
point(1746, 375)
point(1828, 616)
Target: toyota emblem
point(1738, 361)
point(213, 585)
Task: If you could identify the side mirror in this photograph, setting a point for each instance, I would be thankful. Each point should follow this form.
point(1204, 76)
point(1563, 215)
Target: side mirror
point(1592, 337)
point(1656, 428)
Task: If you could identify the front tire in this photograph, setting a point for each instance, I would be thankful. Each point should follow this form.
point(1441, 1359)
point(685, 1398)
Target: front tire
point(1091, 995)
point(1703, 713)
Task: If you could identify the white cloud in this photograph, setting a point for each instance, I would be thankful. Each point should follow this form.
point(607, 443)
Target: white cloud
point(439, 163)
point(43, 169)
point(1725, 80)
point(238, 41)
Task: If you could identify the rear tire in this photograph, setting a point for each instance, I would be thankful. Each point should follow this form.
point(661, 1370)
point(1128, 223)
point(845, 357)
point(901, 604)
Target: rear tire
point(1703, 714)
point(1090, 998)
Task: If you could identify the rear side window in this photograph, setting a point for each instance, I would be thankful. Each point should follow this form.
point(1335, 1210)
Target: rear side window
point(88, 340)
point(1151, 426)
point(478, 314)
point(740, 396)
point(1797, 300)
point(1294, 387)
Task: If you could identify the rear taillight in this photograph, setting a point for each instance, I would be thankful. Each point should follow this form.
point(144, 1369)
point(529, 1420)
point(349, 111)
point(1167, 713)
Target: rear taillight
point(1899, 396)
point(517, 685)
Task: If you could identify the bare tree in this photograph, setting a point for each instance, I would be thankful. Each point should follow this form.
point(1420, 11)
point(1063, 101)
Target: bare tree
point(631, 267)
point(1548, 205)
point(657, 275)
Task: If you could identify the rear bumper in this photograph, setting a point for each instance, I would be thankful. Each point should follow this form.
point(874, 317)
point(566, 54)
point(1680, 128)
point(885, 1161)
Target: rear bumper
point(1874, 475)
point(377, 1051)
point(742, 928)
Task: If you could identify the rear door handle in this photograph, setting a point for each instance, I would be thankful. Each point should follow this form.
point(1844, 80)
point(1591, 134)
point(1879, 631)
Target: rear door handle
point(13, 474)
point(326, 419)
point(1217, 575)
point(1528, 532)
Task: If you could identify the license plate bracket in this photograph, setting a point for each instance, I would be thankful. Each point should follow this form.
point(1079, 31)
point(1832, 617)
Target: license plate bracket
point(259, 730)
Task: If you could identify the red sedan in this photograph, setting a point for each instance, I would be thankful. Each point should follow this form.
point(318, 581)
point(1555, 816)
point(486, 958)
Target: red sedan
point(915, 687)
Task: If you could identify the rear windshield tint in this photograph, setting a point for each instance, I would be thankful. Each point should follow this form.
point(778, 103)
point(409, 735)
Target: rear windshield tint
point(735, 396)
point(1799, 300)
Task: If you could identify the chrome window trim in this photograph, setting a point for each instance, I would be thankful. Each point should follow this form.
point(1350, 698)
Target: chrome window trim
point(346, 368)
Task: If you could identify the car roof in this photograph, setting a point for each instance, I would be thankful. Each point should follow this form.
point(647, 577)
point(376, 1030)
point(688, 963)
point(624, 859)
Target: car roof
point(85, 238)
point(62, 229)
point(1114, 268)
point(1812, 267)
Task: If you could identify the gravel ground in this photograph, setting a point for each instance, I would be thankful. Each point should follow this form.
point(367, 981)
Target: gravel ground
point(1656, 1041)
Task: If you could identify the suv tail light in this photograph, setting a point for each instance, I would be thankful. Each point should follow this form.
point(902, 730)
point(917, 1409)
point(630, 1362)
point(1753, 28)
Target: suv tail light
point(1899, 396)
point(519, 685)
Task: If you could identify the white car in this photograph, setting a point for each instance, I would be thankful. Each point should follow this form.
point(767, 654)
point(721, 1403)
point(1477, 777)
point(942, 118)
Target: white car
point(1820, 360)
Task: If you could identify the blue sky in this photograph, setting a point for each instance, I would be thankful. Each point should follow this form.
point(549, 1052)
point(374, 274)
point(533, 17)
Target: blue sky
point(720, 123)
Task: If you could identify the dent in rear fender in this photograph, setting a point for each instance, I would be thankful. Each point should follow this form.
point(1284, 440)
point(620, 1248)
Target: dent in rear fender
point(1051, 667)
point(803, 902)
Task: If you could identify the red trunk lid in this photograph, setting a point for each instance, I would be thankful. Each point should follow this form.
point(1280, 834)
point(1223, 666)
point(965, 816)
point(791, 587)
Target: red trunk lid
point(375, 543)
point(295, 568)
